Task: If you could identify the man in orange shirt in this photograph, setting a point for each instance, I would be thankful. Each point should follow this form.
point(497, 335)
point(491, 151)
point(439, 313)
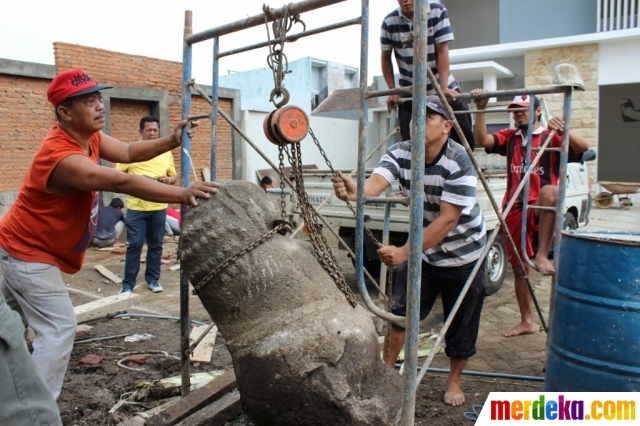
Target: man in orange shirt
point(52, 222)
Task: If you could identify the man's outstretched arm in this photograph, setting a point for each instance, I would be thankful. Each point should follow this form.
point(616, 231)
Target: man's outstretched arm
point(345, 187)
point(111, 149)
point(444, 64)
point(387, 73)
point(483, 139)
point(431, 235)
point(78, 171)
point(577, 143)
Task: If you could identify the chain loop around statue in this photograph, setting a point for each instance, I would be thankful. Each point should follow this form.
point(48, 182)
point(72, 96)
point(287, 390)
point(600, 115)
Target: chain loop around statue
point(277, 60)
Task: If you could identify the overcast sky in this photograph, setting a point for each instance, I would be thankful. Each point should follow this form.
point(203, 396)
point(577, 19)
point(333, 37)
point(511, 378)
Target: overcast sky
point(28, 29)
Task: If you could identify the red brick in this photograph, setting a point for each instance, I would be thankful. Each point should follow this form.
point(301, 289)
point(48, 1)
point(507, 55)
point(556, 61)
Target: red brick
point(136, 359)
point(91, 359)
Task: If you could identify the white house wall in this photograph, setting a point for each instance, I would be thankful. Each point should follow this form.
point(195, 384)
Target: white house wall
point(338, 138)
point(619, 62)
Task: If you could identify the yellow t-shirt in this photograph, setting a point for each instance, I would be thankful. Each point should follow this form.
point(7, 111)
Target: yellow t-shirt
point(162, 165)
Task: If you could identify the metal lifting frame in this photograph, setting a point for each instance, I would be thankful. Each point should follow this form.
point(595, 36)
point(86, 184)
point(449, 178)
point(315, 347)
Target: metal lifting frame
point(421, 73)
point(413, 291)
point(187, 85)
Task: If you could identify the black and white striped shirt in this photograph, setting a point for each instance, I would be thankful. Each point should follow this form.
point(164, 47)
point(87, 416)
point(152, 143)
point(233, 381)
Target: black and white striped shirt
point(451, 178)
point(397, 29)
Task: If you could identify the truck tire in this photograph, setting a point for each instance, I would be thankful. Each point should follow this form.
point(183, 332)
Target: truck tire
point(496, 266)
point(570, 222)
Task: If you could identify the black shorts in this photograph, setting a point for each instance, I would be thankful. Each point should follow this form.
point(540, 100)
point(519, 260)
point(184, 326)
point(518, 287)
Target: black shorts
point(463, 332)
point(463, 119)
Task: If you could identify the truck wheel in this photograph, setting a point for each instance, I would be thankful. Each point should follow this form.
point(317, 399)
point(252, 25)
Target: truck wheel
point(570, 222)
point(495, 266)
point(603, 200)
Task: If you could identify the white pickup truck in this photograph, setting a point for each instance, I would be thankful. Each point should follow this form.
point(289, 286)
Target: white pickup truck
point(319, 187)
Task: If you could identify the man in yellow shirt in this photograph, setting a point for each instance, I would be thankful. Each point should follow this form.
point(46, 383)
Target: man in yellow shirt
point(145, 219)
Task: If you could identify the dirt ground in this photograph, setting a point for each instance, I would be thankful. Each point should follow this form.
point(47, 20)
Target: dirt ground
point(90, 392)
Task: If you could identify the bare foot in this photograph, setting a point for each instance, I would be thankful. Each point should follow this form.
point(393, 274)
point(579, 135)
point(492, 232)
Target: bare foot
point(522, 328)
point(544, 265)
point(453, 395)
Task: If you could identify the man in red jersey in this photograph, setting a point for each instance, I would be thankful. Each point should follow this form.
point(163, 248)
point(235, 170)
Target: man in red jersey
point(543, 190)
point(52, 222)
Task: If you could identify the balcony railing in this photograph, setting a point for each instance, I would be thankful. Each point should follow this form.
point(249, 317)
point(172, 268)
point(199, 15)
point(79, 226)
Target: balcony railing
point(617, 15)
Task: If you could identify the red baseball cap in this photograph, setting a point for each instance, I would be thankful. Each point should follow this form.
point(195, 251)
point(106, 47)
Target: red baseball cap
point(71, 83)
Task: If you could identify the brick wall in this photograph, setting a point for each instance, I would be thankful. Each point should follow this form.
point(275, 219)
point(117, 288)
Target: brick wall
point(25, 118)
point(142, 72)
point(539, 66)
point(118, 68)
point(125, 119)
point(201, 143)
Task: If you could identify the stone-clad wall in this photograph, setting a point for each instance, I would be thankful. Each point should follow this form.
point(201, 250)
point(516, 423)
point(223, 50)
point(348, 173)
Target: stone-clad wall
point(539, 65)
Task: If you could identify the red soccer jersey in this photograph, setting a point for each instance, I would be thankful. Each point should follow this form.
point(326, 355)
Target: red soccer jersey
point(510, 143)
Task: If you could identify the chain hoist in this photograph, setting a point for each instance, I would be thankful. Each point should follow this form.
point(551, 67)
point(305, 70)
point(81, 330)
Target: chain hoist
point(318, 241)
point(285, 127)
point(277, 60)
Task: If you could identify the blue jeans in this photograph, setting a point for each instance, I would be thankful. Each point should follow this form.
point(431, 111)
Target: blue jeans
point(141, 225)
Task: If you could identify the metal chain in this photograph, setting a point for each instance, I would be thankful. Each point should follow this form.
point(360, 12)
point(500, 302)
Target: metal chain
point(283, 203)
point(276, 59)
point(335, 174)
point(203, 282)
point(318, 241)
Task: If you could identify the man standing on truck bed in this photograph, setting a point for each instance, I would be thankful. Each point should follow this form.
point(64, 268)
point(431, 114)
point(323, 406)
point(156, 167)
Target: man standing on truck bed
point(396, 35)
point(543, 190)
point(453, 238)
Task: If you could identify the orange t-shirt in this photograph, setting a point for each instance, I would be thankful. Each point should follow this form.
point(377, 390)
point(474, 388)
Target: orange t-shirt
point(45, 227)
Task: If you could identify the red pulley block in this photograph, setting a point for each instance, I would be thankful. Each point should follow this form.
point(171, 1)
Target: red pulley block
point(286, 125)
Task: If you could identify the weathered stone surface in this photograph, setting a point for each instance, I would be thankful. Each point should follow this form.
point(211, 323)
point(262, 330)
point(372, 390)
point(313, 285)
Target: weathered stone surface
point(302, 355)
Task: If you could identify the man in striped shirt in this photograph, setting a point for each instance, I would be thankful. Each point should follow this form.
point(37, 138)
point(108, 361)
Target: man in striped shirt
point(453, 238)
point(543, 190)
point(396, 35)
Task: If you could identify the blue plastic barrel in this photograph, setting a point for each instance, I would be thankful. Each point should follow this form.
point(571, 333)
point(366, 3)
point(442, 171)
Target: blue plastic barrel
point(594, 341)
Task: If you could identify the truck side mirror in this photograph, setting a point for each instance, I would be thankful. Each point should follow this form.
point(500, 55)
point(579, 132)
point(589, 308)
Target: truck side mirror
point(588, 155)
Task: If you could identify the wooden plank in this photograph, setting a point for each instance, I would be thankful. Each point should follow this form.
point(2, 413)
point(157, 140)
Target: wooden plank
point(217, 413)
point(108, 274)
point(104, 306)
point(195, 401)
point(202, 352)
point(141, 417)
point(206, 173)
